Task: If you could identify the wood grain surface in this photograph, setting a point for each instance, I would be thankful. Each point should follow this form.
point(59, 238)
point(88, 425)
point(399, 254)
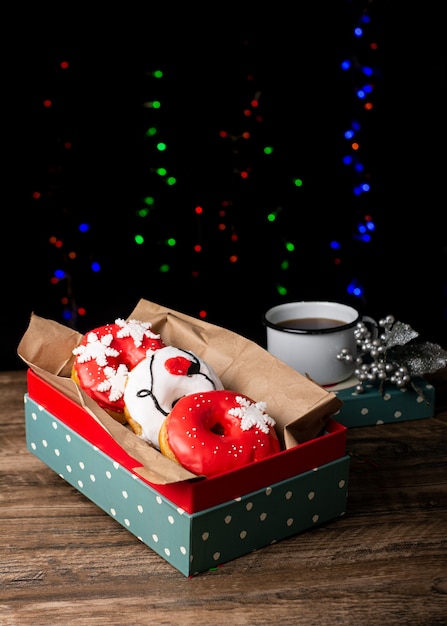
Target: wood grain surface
point(64, 561)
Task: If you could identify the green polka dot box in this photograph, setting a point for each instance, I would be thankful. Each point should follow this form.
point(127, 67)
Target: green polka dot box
point(195, 524)
point(387, 405)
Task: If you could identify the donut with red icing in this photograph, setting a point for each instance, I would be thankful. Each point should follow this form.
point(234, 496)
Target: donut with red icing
point(213, 432)
point(105, 356)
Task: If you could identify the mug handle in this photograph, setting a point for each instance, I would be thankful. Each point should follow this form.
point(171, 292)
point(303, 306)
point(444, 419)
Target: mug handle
point(368, 330)
point(371, 325)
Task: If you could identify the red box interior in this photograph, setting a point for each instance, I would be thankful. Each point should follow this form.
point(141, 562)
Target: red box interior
point(201, 493)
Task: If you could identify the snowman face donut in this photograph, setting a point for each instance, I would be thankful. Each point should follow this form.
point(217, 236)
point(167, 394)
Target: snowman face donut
point(156, 384)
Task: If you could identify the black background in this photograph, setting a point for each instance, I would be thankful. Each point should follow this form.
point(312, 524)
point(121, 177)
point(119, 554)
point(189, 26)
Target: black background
point(306, 103)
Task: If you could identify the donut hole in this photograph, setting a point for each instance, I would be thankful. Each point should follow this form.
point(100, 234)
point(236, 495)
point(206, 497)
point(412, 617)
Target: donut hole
point(218, 429)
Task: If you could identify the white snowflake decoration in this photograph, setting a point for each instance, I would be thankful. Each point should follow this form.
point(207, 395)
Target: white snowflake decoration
point(135, 329)
point(96, 349)
point(252, 415)
point(115, 381)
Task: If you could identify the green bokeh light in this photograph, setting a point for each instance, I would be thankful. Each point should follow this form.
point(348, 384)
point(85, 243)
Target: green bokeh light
point(281, 290)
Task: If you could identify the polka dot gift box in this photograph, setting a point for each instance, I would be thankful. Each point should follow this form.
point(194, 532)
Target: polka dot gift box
point(387, 406)
point(197, 540)
point(194, 523)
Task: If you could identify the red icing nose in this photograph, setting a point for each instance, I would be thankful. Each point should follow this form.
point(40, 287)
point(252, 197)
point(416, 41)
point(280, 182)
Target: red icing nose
point(178, 366)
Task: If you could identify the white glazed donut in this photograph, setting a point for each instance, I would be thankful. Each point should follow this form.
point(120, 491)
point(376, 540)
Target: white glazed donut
point(156, 383)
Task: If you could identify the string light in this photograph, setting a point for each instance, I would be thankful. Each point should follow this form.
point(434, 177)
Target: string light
point(249, 158)
point(361, 176)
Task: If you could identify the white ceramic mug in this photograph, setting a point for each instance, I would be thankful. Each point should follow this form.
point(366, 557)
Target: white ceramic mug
point(310, 336)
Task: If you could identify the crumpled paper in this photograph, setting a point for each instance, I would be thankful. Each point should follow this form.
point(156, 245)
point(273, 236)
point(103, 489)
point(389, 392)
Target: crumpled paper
point(300, 407)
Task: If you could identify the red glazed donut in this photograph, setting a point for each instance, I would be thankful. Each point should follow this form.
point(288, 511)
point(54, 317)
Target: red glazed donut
point(105, 356)
point(217, 431)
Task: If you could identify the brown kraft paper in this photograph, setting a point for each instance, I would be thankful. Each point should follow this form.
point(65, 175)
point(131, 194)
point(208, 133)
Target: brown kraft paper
point(300, 407)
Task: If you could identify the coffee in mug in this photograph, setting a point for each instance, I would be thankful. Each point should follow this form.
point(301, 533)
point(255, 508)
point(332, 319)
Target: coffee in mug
point(310, 336)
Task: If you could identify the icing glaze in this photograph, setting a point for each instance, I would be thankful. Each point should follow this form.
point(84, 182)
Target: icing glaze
point(218, 431)
point(105, 356)
point(156, 384)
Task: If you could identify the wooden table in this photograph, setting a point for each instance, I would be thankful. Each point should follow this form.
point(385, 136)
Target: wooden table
point(64, 561)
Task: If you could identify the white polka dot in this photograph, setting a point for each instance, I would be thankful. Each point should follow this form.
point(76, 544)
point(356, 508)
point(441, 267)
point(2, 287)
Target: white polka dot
point(311, 495)
point(44, 443)
point(113, 512)
point(290, 521)
point(182, 549)
point(92, 478)
point(243, 534)
point(140, 508)
point(419, 399)
point(205, 536)
point(80, 483)
point(33, 445)
point(127, 522)
point(268, 491)
point(364, 412)
point(57, 452)
point(68, 438)
point(315, 518)
point(263, 517)
point(116, 464)
point(387, 396)
point(81, 465)
point(158, 500)
point(108, 474)
point(167, 552)
point(238, 499)
point(380, 422)
point(54, 425)
point(180, 511)
point(125, 494)
point(155, 538)
point(68, 468)
point(216, 556)
point(227, 519)
point(249, 506)
point(398, 414)
point(341, 484)
point(288, 495)
point(34, 416)
point(170, 519)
